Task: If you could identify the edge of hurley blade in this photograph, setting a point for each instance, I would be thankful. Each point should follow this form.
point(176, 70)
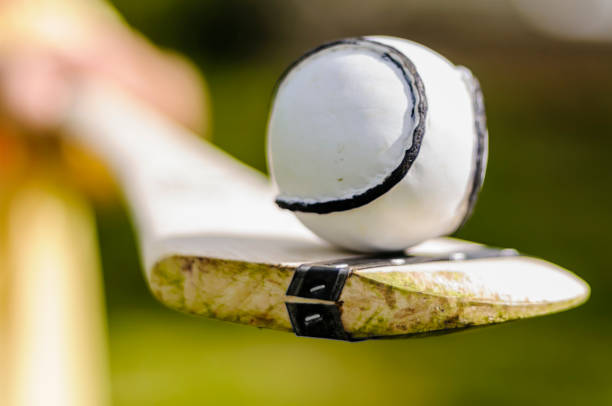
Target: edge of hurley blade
point(374, 297)
point(456, 295)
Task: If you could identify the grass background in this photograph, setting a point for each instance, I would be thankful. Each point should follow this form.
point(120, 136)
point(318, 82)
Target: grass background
point(547, 193)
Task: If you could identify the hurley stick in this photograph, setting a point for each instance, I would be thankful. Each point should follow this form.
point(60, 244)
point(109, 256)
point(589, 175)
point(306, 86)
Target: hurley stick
point(213, 243)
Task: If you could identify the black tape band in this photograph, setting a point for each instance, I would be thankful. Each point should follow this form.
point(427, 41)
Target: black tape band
point(324, 282)
point(419, 109)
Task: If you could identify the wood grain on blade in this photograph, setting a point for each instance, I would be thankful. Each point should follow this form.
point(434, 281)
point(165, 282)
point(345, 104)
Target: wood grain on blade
point(378, 302)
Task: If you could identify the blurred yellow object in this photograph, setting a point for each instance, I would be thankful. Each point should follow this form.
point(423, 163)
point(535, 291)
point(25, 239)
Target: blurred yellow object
point(88, 173)
point(55, 350)
point(13, 156)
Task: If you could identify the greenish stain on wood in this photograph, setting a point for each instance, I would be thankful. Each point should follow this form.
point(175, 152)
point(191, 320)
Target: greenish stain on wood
point(233, 291)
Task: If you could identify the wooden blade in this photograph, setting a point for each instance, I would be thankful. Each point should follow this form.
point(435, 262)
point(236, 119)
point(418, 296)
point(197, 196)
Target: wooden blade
point(383, 301)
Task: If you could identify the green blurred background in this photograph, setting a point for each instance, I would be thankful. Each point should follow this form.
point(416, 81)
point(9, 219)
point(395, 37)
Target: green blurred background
point(547, 193)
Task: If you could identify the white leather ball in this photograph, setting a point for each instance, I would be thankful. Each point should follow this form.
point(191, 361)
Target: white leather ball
point(377, 143)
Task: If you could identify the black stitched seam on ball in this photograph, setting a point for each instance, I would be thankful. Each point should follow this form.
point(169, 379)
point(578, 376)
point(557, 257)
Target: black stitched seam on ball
point(480, 125)
point(415, 84)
